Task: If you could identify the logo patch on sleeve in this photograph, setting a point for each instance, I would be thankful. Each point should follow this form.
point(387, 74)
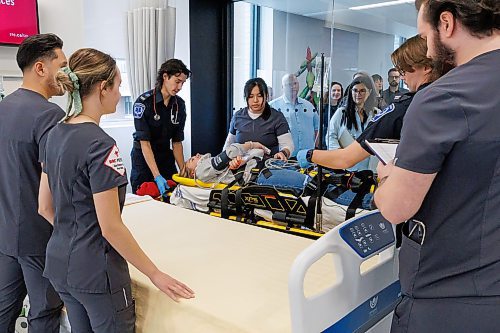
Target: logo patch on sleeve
point(139, 110)
point(387, 110)
point(114, 161)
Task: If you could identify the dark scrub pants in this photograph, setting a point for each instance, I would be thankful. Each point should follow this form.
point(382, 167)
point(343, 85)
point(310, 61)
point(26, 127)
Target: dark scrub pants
point(24, 274)
point(25, 119)
point(90, 275)
point(450, 264)
point(104, 313)
point(159, 128)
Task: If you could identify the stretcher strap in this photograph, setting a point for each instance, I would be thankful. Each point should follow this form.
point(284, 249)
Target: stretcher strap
point(354, 205)
point(224, 200)
point(311, 212)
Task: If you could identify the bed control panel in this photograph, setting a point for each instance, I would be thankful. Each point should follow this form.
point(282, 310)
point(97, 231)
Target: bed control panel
point(368, 235)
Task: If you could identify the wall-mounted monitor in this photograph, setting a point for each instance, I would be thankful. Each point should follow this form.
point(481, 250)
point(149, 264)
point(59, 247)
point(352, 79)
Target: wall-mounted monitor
point(18, 20)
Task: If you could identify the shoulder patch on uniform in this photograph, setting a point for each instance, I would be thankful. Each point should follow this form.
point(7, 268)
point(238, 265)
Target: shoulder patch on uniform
point(139, 110)
point(403, 98)
point(114, 161)
point(145, 95)
point(387, 110)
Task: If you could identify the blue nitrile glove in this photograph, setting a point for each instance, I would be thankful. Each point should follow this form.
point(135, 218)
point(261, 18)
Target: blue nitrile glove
point(162, 184)
point(302, 159)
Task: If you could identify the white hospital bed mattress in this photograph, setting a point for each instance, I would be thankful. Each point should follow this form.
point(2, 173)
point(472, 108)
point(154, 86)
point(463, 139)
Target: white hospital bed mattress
point(239, 272)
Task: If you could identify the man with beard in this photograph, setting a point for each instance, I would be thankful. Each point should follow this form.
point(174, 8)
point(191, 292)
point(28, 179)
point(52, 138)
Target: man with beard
point(393, 77)
point(445, 181)
point(26, 116)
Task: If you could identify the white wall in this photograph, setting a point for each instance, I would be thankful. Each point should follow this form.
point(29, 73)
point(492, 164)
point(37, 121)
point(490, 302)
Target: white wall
point(374, 53)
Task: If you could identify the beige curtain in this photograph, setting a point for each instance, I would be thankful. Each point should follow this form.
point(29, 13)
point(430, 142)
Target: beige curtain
point(150, 41)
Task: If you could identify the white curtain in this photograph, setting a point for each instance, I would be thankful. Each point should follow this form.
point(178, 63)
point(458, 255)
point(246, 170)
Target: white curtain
point(150, 41)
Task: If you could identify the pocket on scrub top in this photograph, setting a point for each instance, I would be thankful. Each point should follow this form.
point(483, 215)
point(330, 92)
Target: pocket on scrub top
point(409, 258)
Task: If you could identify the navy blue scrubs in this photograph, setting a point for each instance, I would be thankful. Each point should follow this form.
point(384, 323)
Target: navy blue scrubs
point(265, 129)
point(388, 123)
point(159, 128)
point(25, 119)
point(91, 277)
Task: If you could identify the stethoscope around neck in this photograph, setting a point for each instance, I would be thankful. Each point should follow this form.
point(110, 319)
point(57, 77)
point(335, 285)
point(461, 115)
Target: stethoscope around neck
point(174, 117)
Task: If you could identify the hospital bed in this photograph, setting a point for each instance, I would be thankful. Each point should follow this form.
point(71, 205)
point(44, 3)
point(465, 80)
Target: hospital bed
point(250, 279)
point(366, 289)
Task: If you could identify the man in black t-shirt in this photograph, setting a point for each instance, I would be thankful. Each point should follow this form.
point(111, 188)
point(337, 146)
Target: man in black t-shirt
point(445, 180)
point(26, 116)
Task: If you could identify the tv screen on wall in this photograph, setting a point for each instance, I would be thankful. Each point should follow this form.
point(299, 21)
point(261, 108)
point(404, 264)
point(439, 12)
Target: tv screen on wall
point(18, 20)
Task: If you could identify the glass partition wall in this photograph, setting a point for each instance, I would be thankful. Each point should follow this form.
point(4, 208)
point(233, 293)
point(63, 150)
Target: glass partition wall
point(273, 38)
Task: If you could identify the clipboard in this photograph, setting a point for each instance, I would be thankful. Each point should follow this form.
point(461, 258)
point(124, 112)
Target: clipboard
point(385, 150)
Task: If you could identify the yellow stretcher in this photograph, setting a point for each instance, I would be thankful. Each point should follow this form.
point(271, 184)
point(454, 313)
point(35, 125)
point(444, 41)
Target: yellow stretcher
point(333, 214)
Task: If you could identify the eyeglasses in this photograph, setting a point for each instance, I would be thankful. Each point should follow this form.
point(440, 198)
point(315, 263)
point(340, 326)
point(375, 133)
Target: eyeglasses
point(360, 91)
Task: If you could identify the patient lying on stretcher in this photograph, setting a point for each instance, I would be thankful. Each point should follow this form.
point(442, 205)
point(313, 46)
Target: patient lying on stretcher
point(223, 167)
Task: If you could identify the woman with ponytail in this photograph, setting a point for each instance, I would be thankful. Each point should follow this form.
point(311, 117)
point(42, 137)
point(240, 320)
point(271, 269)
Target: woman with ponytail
point(88, 250)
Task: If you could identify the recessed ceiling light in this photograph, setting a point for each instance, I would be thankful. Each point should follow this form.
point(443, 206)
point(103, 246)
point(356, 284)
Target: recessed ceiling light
point(382, 4)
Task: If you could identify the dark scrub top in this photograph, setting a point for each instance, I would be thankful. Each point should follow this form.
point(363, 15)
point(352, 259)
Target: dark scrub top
point(388, 123)
point(389, 96)
point(452, 129)
point(169, 127)
point(82, 160)
point(25, 118)
point(265, 129)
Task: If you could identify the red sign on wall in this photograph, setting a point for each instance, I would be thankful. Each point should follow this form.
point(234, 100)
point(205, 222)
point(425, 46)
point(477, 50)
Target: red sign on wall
point(18, 20)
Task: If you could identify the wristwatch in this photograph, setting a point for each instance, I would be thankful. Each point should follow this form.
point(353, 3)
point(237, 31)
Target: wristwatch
point(309, 155)
point(284, 152)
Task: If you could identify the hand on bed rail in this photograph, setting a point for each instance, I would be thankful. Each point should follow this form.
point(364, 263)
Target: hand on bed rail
point(170, 286)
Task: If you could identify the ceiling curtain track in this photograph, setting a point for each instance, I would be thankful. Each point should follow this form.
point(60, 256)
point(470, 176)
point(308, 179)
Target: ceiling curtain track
point(150, 41)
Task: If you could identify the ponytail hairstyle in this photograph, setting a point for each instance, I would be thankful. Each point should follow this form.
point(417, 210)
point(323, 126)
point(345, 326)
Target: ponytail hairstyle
point(86, 68)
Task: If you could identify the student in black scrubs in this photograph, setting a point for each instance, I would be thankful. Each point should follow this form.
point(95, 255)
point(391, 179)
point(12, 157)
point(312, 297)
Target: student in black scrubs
point(26, 115)
point(159, 119)
point(88, 250)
